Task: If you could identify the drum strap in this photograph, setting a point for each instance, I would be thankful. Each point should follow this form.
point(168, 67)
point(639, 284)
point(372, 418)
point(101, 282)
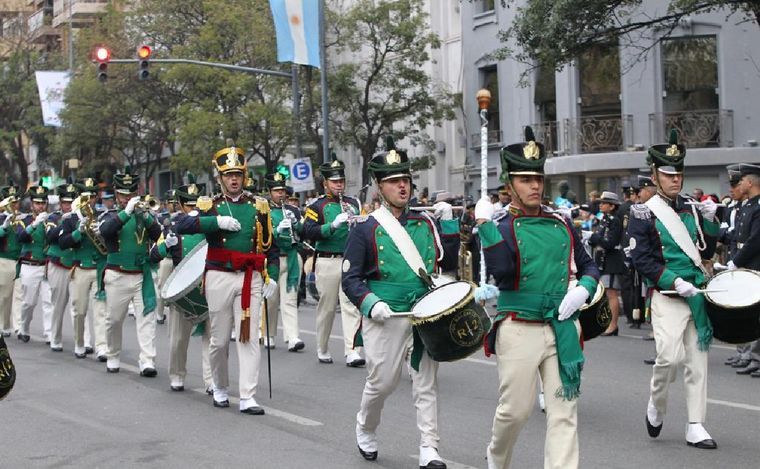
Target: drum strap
point(400, 238)
point(675, 226)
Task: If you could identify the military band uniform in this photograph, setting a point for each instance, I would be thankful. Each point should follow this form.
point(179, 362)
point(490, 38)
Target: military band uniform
point(329, 243)
point(166, 264)
point(128, 233)
point(10, 249)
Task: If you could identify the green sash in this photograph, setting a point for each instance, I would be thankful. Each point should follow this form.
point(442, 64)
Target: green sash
point(294, 271)
point(140, 261)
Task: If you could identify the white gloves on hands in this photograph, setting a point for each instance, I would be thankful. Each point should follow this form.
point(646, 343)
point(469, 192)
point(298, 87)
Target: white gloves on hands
point(269, 289)
point(284, 225)
point(731, 265)
point(227, 223)
point(380, 312)
point(708, 209)
point(684, 288)
point(443, 211)
point(130, 208)
point(41, 218)
point(339, 220)
point(484, 209)
point(171, 240)
point(586, 235)
point(573, 300)
point(7, 221)
point(486, 292)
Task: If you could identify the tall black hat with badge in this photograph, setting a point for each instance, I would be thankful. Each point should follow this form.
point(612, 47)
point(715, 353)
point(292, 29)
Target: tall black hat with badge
point(126, 183)
point(67, 192)
point(523, 159)
point(189, 193)
point(230, 159)
point(87, 186)
point(390, 164)
point(278, 179)
point(334, 170)
point(667, 158)
point(38, 193)
point(10, 190)
point(250, 182)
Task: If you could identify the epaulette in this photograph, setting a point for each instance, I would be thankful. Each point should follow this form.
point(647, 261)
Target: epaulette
point(641, 212)
point(499, 214)
point(262, 205)
point(360, 219)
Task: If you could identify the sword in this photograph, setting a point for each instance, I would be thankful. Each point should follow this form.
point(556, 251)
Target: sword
point(266, 331)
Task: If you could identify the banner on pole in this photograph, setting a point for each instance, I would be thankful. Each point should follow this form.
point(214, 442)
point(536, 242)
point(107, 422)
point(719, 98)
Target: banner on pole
point(51, 86)
point(301, 175)
point(296, 23)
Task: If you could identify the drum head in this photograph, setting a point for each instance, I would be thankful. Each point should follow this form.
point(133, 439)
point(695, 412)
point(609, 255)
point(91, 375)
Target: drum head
point(742, 288)
point(187, 274)
point(442, 298)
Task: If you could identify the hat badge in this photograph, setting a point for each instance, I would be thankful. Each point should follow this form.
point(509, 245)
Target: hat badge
point(192, 189)
point(335, 164)
point(673, 151)
point(89, 182)
point(127, 179)
point(232, 158)
point(531, 151)
point(70, 188)
point(40, 190)
point(11, 190)
point(393, 157)
point(278, 177)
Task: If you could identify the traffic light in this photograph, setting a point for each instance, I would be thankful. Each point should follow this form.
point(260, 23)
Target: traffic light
point(102, 55)
point(143, 58)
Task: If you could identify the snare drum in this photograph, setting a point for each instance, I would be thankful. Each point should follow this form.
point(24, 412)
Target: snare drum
point(182, 288)
point(596, 315)
point(450, 322)
point(734, 305)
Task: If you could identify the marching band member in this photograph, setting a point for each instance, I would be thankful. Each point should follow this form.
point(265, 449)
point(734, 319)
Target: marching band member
point(60, 264)
point(87, 288)
point(286, 221)
point(380, 282)
point(532, 253)
point(31, 234)
point(241, 267)
point(670, 237)
point(9, 254)
point(165, 264)
point(127, 234)
point(326, 226)
point(174, 248)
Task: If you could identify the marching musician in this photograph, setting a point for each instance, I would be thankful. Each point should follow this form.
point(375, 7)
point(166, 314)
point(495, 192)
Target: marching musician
point(670, 236)
point(326, 225)
point(31, 234)
point(87, 289)
point(174, 248)
point(533, 252)
point(165, 264)
point(60, 262)
point(241, 267)
point(9, 254)
point(287, 227)
point(128, 233)
point(379, 281)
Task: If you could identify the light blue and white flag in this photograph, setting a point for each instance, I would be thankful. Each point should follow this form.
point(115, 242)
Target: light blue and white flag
point(297, 25)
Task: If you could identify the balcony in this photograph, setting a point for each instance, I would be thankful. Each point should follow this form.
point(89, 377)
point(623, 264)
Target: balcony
point(547, 133)
point(494, 139)
point(79, 12)
point(40, 26)
point(597, 134)
point(696, 129)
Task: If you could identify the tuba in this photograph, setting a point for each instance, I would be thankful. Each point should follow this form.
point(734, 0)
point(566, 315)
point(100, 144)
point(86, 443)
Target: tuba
point(82, 205)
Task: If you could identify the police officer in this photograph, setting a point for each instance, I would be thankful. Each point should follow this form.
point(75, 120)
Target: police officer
point(287, 227)
point(128, 233)
point(9, 253)
point(380, 283)
point(669, 240)
point(531, 251)
point(326, 225)
point(242, 266)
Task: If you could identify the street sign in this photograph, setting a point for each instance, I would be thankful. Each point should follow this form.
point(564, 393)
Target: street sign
point(301, 175)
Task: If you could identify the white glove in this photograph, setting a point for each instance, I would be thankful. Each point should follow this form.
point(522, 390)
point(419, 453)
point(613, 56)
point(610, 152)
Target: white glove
point(443, 211)
point(339, 220)
point(484, 209)
point(708, 209)
point(284, 225)
point(586, 235)
point(573, 300)
point(40, 219)
point(269, 289)
point(171, 240)
point(228, 223)
point(684, 288)
point(82, 223)
point(627, 251)
point(380, 312)
point(731, 265)
point(130, 208)
point(7, 221)
point(486, 292)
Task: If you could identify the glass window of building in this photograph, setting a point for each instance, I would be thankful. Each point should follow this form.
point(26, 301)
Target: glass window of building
point(690, 67)
point(490, 80)
point(482, 6)
point(600, 81)
point(545, 99)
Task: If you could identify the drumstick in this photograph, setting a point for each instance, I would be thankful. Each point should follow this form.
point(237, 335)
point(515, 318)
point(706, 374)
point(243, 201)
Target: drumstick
point(675, 292)
point(408, 314)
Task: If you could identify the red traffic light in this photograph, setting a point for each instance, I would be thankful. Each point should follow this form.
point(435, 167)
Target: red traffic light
point(143, 52)
point(102, 54)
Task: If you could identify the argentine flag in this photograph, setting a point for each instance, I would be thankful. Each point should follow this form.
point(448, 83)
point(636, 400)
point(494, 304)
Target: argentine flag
point(296, 23)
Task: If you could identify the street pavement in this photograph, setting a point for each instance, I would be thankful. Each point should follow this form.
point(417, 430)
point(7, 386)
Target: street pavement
point(69, 413)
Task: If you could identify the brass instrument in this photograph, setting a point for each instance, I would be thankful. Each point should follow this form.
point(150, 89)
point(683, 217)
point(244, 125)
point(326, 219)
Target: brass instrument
point(464, 264)
point(148, 202)
point(346, 208)
point(7, 203)
point(82, 205)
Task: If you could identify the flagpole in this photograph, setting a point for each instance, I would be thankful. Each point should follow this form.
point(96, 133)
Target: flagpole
point(323, 82)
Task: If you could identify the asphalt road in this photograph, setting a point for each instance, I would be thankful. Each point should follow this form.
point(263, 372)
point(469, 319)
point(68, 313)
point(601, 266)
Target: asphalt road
point(65, 412)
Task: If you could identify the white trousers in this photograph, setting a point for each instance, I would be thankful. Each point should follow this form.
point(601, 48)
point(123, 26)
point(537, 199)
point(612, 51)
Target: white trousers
point(59, 279)
point(223, 291)
point(165, 268)
point(676, 342)
point(34, 289)
point(7, 280)
point(121, 288)
point(84, 286)
point(328, 274)
point(283, 304)
point(386, 347)
point(523, 351)
point(180, 331)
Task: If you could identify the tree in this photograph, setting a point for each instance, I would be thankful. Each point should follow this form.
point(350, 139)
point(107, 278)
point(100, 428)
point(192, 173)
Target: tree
point(553, 33)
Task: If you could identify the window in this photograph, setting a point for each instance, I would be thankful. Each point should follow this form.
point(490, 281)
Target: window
point(483, 6)
point(490, 80)
point(600, 81)
point(690, 67)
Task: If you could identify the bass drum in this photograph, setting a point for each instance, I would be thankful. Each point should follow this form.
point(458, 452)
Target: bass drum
point(182, 288)
point(734, 305)
point(450, 322)
point(595, 316)
point(7, 370)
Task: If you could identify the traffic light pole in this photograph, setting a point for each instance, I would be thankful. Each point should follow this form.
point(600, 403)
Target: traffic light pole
point(235, 68)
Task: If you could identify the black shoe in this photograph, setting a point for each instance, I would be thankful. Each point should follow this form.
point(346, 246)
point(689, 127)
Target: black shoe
point(649, 361)
point(80, 355)
point(255, 410)
point(731, 360)
point(225, 403)
point(358, 363)
point(368, 455)
point(210, 391)
point(56, 349)
point(88, 351)
point(102, 358)
point(112, 370)
point(178, 388)
point(704, 444)
point(741, 363)
point(749, 369)
point(653, 431)
point(6, 334)
point(434, 464)
point(149, 372)
point(755, 374)
point(161, 321)
point(648, 337)
point(23, 337)
point(607, 334)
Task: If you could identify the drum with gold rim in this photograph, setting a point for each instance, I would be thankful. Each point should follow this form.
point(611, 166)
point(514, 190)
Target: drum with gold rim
point(595, 316)
point(183, 286)
point(733, 305)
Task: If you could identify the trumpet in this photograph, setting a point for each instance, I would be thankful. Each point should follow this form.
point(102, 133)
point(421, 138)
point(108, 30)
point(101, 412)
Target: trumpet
point(6, 205)
point(148, 202)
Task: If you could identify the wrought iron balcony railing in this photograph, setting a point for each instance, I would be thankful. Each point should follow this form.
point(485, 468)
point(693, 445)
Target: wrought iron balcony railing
point(547, 133)
point(696, 129)
point(597, 134)
point(494, 139)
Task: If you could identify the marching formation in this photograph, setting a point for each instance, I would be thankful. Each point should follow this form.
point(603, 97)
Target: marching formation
point(230, 267)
